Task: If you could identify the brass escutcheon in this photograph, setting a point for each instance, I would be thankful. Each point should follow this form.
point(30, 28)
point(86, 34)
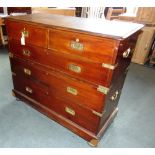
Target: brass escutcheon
point(26, 52)
point(77, 45)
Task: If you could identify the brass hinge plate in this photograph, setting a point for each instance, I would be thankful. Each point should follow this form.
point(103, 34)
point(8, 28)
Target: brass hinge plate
point(10, 55)
point(103, 89)
point(112, 67)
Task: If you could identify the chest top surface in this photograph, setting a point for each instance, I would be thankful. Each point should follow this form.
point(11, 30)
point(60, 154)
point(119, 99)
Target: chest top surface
point(99, 27)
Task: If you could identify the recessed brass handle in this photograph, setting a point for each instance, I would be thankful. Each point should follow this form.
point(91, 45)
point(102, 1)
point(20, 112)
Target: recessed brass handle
point(26, 52)
point(29, 90)
point(72, 91)
point(126, 53)
point(70, 111)
point(77, 45)
point(27, 71)
point(114, 97)
point(74, 68)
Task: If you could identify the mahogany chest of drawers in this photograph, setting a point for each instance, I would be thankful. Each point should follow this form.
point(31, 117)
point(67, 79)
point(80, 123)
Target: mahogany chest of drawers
point(71, 69)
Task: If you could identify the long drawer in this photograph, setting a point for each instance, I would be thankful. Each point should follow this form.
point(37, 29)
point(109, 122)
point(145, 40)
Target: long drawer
point(80, 92)
point(70, 110)
point(83, 69)
point(94, 48)
point(33, 35)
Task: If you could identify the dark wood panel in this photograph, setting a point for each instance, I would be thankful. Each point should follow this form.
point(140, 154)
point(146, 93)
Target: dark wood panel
point(33, 35)
point(97, 27)
point(94, 48)
point(59, 83)
point(69, 110)
point(78, 67)
point(82, 132)
point(64, 64)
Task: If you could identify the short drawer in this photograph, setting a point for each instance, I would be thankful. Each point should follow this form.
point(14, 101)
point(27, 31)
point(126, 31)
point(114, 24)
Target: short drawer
point(80, 68)
point(94, 48)
point(33, 35)
point(31, 89)
point(60, 84)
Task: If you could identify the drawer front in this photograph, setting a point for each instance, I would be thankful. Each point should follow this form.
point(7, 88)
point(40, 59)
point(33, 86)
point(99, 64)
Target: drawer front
point(60, 85)
point(82, 69)
point(70, 110)
point(31, 89)
point(94, 48)
point(31, 34)
point(74, 112)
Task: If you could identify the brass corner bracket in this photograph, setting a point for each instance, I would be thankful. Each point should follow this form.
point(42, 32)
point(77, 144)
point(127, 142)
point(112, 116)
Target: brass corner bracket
point(93, 142)
point(103, 89)
point(112, 67)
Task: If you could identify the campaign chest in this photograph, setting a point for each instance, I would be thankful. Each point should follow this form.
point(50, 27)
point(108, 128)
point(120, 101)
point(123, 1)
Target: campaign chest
point(71, 69)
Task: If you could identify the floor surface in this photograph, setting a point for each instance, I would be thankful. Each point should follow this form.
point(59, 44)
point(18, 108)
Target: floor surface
point(134, 126)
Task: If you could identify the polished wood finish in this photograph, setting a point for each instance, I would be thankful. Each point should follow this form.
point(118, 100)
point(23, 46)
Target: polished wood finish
point(53, 59)
point(100, 27)
point(73, 75)
point(59, 84)
point(65, 37)
point(34, 33)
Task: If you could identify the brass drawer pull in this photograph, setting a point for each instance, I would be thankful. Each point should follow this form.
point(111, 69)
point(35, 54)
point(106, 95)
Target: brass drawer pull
point(126, 53)
point(27, 71)
point(26, 52)
point(72, 91)
point(114, 97)
point(70, 111)
point(74, 68)
point(77, 45)
point(29, 90)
